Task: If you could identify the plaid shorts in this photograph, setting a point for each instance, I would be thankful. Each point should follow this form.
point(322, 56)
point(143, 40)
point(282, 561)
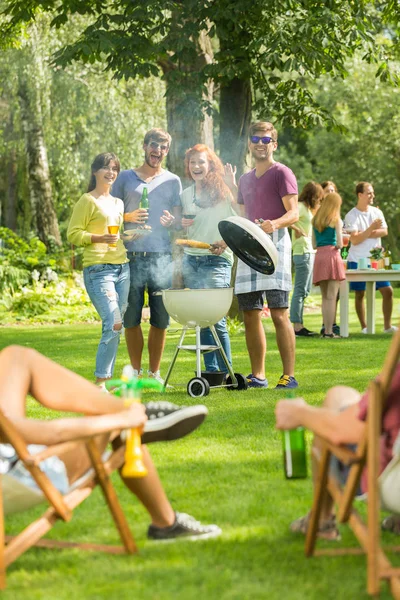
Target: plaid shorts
point(255, 300)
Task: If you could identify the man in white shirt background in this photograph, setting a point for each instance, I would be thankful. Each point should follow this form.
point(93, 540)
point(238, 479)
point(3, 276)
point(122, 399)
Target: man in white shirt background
point(369, 227)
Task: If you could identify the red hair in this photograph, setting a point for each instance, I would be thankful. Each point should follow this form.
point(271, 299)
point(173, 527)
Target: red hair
point(213, 183)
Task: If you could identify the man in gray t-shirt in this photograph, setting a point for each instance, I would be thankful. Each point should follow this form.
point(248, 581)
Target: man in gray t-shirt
point(150, 256)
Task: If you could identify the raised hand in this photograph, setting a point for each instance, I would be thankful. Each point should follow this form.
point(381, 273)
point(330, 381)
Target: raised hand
point(230, 175)
point(167, 219)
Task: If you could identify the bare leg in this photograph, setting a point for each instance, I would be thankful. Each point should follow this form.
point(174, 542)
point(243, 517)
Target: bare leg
point(151, 493)
point(156, 343)
point(135, 343)
point(360, 308)
point(329, 290)
point(387, 305)
point(285, 339)
point(255, 341)
point(337, 398)
point(24, 371)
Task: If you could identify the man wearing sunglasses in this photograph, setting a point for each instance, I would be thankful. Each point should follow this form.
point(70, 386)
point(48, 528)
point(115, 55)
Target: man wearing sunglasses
point(150, 255)
point(267, 195)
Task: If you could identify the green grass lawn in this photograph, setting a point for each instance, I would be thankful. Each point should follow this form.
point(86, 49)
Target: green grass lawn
point(228, 472)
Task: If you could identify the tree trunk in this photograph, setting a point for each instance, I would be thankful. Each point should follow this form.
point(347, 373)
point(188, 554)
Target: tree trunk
point(187, 123)
point(29, 93)
point(235, 118)
point(10, 212)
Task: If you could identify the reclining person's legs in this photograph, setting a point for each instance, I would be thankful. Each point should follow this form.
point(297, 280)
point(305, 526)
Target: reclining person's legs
point(24, 371)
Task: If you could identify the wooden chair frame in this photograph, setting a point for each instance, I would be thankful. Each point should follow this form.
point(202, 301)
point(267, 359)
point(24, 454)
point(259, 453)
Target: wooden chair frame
point(62, 506)
point(367, 453)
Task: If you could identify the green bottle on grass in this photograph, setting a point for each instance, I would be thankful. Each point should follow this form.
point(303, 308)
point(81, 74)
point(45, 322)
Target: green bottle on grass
point(294, 450)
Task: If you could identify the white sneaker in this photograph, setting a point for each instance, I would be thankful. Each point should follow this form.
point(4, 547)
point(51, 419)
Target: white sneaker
point(364, 330)
point(391, 329)
point(156, 376)
point(138, 374)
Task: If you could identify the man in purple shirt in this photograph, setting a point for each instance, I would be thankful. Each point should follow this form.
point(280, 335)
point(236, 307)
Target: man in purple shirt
point(268, 192)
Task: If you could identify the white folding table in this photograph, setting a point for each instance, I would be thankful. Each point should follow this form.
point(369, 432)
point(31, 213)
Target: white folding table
point(371, 276)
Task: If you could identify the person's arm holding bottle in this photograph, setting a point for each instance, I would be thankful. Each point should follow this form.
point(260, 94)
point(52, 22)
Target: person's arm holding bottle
point(337, 427)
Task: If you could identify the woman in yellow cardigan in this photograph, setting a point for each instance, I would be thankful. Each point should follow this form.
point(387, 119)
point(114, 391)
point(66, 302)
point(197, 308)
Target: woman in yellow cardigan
point(105, 264)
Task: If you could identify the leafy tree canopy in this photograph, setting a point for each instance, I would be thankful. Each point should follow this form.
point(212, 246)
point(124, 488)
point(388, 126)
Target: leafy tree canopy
point(278, 45)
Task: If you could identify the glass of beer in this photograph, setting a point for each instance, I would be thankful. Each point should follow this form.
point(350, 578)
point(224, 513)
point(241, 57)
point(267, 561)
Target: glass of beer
point(113, 228)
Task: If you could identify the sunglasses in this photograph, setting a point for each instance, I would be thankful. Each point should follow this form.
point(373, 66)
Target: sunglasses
point(265, 139)
point(156, 145)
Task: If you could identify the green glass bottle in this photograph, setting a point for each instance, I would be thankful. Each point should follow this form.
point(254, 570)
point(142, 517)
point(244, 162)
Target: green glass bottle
point(294, 450)
point(387, 258)
point(144, 200)
point(294, 453)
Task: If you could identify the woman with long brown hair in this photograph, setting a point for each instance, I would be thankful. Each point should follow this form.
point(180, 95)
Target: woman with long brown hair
point(94, 225)
point(204, 204)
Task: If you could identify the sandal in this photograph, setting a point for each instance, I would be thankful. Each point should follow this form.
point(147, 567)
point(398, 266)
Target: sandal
point(327, 530)
point(392, 524)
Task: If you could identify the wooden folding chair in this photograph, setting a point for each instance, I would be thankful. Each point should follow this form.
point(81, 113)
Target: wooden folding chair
point(61, 506)
point(367, 453)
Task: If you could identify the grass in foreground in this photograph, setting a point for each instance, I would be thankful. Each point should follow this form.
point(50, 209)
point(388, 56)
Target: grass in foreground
point(228, 472)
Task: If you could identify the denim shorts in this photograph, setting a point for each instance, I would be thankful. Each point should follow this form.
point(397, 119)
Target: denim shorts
point(361, 286)
point(151, 271)
point(255, 300)
point(53, 467)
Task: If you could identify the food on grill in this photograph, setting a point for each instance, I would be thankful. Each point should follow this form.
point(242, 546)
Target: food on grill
point(193, 244)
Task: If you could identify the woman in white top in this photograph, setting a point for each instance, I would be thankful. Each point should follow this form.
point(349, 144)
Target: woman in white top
point(204, 204)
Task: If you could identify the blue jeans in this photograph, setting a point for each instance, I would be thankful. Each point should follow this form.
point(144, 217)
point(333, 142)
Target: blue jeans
point(151, 271)
point(108, 288)
point(302, 284)
point(207, 272)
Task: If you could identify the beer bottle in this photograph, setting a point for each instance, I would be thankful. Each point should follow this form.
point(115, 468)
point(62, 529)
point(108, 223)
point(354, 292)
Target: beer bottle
point(294, 451)
point(144, 200)
point(387, 258)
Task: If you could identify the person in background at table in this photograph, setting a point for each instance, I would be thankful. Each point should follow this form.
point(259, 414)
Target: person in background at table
point(328, 265)
point(209, 200)
point(303, 254)
point(370, 226)
point(268, 192)
point(150, 256)
point(105, 268)
point(329, 187)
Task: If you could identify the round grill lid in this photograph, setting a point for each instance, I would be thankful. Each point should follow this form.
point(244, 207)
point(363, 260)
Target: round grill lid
point(250, 243)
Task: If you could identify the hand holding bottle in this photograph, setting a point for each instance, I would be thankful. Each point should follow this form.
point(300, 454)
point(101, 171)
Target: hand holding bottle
point(139, 216)
point(293, 437)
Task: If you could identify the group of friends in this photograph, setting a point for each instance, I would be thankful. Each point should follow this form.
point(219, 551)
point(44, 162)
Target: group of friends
point(116, 280)
point(317, 238)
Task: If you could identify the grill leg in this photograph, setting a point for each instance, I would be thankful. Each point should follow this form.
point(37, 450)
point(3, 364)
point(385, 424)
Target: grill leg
point(178, 347)
point(198, 351)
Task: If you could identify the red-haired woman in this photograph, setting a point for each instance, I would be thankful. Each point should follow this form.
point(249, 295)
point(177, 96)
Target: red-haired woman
point(207, 201)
